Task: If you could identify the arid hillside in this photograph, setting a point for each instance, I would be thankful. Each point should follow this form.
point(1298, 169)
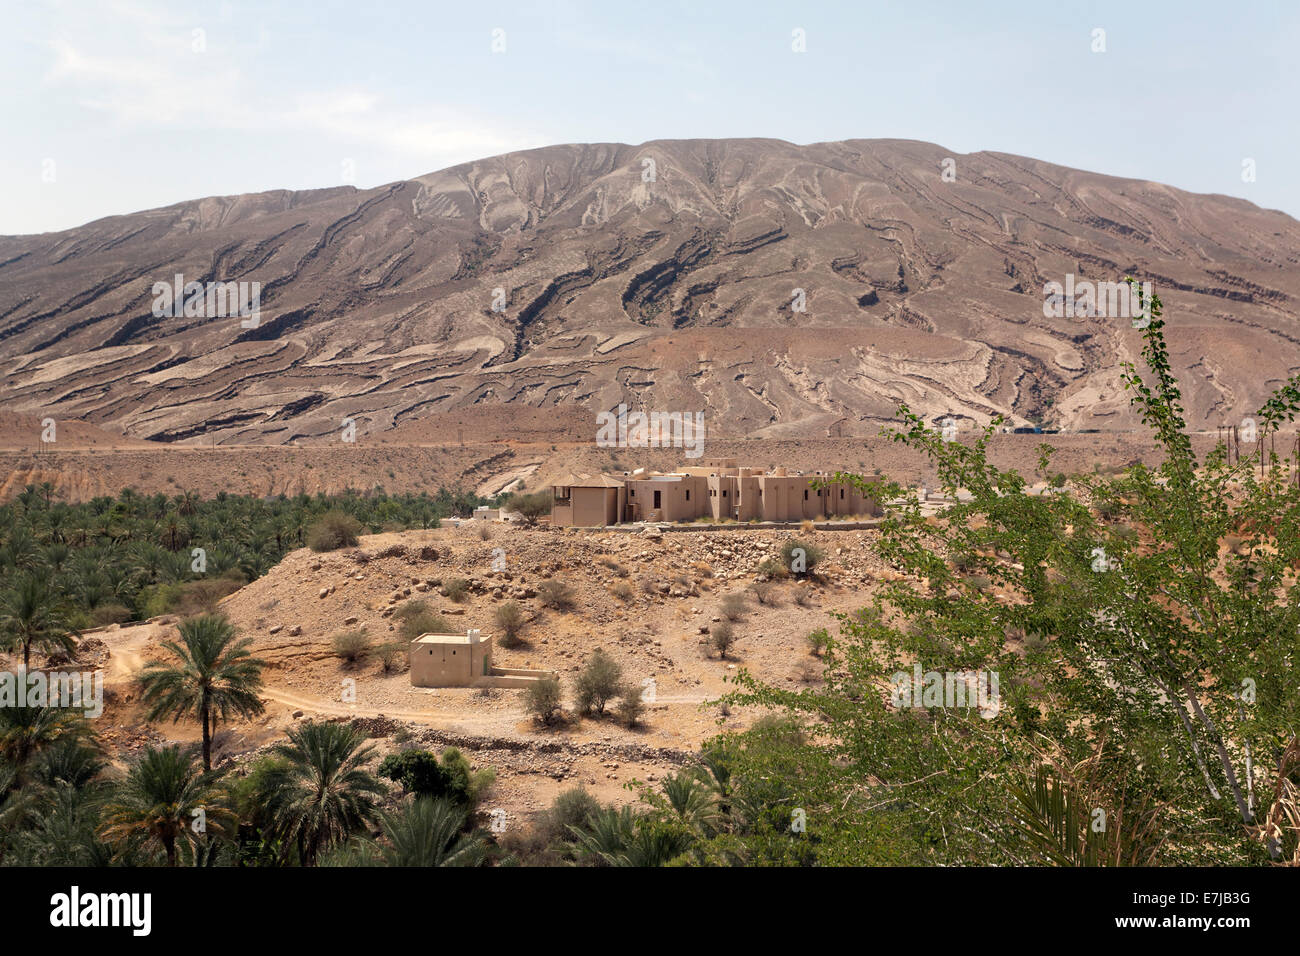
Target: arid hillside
point(663, 275)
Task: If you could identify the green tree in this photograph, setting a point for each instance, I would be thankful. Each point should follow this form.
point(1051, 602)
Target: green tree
point(1118, 624)
point(213, 678)
point(423, 832)
point(165, 802)
point(598, 682)
point(30, 616)
point(322, 793)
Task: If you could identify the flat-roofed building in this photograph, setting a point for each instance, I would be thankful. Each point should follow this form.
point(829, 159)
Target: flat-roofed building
point(716, 488)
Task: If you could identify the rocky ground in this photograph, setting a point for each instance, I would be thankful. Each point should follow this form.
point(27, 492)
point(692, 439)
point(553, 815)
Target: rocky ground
point(647, 597)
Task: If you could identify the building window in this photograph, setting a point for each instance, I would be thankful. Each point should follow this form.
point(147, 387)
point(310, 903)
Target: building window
point(724, 493)
point(688, 494)
point(805, 494)
point(631, 493)
point(841, 494)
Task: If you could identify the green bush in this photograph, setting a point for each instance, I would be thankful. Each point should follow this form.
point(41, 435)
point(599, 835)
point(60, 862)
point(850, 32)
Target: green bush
point(351, 646)
point(543, 699)
point(812, 556)
point(818, 641)
point(529, 506)
point(599, 681)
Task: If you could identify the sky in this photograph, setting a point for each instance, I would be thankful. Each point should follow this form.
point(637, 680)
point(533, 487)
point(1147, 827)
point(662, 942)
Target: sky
point(123, 105)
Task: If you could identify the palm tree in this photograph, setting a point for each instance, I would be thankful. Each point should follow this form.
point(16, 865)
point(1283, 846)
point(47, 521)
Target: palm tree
point(425, 832)
point(28, 732)
point(158, 802)
point(30, 616)
point(213, 680)
point(693, 800)
point(619, 838)
point(323, 794)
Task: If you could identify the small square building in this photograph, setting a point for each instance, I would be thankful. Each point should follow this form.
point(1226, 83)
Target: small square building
point(450, 660)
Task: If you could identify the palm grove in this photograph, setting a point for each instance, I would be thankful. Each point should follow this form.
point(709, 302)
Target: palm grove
point(1142, 622)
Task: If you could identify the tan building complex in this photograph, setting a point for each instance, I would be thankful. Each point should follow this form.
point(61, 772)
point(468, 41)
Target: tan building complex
point(716, 489)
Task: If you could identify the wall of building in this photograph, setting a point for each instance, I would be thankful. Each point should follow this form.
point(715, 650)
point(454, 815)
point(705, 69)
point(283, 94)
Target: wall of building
point(744, 494)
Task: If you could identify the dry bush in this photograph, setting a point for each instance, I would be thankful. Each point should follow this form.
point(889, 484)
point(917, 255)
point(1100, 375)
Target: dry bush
point(555, 594)
point(394, 657)
point(807, 525)
point(733, 606)
point(622, 590)
point(722, 637)
point(456, 589)
point(630, 704)
point(765, 592)
point(333, 530)
point(417, 618)
point(484, 532)
point(509, 618)
point(614, 566)
point(801, 595)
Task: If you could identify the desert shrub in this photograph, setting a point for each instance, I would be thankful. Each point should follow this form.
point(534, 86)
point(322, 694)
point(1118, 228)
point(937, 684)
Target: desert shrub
point(455, 589)
point(818, 641)
point(189, 598)
point(765, 592)
point(774, 568)
point(417, 618)
point(702, 568)
point(530, 507)
point(648, 586)
point(812, 556)
point(807, 525)
point(555, 594)
point(614, 566)
point(597, 683)
point(801, 595)
point(484, 532)
point(543, 699)
point(334, 530)
point(393, 657)
point(630, 704)
point(722, 637)
point(622, 590)
point(509, 619)
point(110, 614)
point(351, 646)
point(574, 807)
point(733, 606)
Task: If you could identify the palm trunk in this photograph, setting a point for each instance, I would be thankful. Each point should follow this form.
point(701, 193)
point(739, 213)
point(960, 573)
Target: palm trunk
point(207, 735)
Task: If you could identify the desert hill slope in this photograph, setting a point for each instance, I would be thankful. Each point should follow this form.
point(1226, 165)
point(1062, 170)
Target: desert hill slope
point(671, 294)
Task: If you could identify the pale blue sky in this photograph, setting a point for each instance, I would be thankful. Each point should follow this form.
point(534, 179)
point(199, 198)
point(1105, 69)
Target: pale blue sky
point(115, 102)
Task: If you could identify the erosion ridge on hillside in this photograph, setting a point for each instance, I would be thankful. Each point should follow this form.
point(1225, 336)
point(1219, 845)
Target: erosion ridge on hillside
point(672, 294)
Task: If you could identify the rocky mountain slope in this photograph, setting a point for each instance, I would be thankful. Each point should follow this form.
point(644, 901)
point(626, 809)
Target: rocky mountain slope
point(673, 292)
